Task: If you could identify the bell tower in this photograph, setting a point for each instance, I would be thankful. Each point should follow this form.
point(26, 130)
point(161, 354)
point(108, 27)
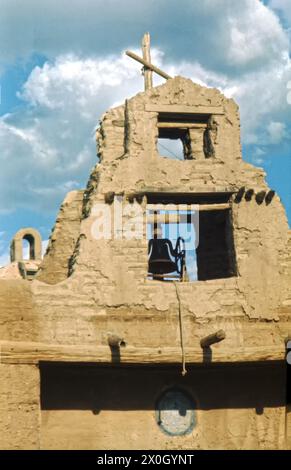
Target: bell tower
point(160, 314)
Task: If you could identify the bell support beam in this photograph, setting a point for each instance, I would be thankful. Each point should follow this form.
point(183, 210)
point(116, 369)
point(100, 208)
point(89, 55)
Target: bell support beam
point(169, 218)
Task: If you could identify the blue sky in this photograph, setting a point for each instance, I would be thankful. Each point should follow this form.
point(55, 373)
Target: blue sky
point(62, 65)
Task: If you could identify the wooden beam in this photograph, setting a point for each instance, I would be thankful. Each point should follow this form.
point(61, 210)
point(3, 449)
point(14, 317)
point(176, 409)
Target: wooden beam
point(214, 207)
point(212, 339)
point(146, 53)
point(164, 276)
point(182, 207)
point(13, 352)
point(115, 341)
point(166, 218)
point(181, 125)
point(169, 207)
point(148, 65)
point(184, 109)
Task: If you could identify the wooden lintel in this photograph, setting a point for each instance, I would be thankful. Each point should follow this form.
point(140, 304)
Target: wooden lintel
point(13, 352)
point(184, 109)
point(182, 125)
point(175, 217)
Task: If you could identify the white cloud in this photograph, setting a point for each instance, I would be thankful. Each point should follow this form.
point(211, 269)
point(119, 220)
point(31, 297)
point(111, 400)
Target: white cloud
point(276, 132)
point(49, 146)
point(256, 35)
point(80, 79)
point(218, 33)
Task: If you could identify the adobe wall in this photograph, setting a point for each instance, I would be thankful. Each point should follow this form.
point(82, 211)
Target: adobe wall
point(86, 407)
point(114, 271)
point(19, 407)
point(237, 407)
point(107, 290)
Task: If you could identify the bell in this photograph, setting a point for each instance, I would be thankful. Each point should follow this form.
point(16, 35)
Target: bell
point(160, 261)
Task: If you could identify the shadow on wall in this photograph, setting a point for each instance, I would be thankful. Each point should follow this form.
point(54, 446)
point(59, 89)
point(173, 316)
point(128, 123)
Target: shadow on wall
point(91, 387)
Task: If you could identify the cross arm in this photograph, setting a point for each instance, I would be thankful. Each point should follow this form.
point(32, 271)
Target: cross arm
point(148, 65)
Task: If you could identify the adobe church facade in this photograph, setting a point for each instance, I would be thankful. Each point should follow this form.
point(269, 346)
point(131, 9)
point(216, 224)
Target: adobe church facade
point(99, 351)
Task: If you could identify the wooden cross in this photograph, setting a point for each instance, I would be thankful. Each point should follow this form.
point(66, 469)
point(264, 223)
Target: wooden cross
point(148, 67)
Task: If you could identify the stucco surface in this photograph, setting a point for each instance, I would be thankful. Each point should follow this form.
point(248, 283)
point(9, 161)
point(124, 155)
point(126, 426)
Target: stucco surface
point(88, 288)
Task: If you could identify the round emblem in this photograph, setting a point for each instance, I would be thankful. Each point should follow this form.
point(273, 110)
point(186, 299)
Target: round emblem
point(175, 412)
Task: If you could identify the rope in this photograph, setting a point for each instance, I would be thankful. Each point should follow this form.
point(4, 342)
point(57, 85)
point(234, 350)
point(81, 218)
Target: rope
point(184, 370)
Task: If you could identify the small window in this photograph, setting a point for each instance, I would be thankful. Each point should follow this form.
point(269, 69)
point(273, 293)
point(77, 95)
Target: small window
point(186, 136)
point(175, 412)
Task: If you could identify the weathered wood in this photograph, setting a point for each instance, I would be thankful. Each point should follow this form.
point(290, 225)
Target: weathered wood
point(260, 197)
point(184, 109)
point(182, 125)
point(170, 207)
point(148, 65)
point(188, 207)
point(115, 341)
point(270, 196)
point(212, 339)
point(165, 276)
point(32, 353)
point(169, 218)
point(214, 207)
point(146, 53)
point(249, 194)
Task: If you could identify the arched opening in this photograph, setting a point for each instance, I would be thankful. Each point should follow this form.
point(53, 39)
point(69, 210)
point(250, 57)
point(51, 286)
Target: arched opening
point(28, 247)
